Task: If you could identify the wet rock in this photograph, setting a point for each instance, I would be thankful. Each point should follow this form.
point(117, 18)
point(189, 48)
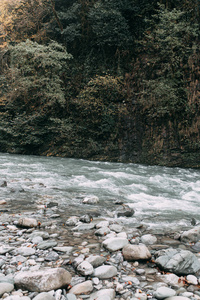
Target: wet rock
point(6, 287)
point(180, 262)
point(72, 221)
point(43, 234)
point(44, 296)
point(27, 222)
point(96, 260)
point(105, 272)
point(149, 239)
point(83, 227)
point(85, 268)
point(114, 244)
point(102, 231)
point(86, 219)
point(103, 294)
point(102, 224)
point(82, 288)
point(164, 292)
point(3, 183)
point(66, 249)
point(136, 252)
point(46, 245)
point(192, 235)
point(125, 211)
point(43, 280)
point(91, 200)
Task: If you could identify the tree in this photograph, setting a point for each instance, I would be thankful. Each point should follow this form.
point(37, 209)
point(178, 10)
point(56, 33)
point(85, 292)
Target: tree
point(168, 48)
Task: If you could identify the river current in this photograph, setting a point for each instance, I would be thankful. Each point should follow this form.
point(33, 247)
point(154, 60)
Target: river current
point(160, 196)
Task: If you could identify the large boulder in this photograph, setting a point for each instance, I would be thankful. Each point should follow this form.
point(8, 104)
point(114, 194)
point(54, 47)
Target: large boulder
point(180, 262)
point(43, 280)
point(136, 252)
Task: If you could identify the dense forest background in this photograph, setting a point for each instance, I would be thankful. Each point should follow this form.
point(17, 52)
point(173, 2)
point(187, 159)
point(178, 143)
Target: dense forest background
point(101, 79)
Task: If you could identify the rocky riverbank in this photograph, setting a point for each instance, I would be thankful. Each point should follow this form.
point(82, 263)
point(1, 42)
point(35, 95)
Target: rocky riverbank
point(45, 257)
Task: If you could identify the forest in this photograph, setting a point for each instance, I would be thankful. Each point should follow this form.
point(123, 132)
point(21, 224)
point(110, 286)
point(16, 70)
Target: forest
point(106, 80)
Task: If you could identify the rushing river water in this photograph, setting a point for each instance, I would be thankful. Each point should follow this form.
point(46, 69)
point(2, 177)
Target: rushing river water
point(160, 195)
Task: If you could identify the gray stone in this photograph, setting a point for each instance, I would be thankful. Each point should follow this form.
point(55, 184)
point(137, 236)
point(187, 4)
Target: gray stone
point(25, 251)
point(46, 245)
point(114, 244)
point(180, 262)
point(192, 279)
point(27, 222)
point(72, 221)
point(91, 200)
point(116, 228)
point(136, 252)
point(132, 279)
point(6, 287)
point(82, 288)
point(103, 294)
point(102, 231)
point(125, 211)
point(43, 234)
point(105, 272)
point(164, 292)
point(42, 280)
point(148, 239)
point(5, 249)
point(37, 240)
point(85, 268)
point(96, 260)
point(70, 296)
point(102, 224)
point(192, 235)
point(67, 249)
point(52, 256)
point(83, 227)
point(44, 296)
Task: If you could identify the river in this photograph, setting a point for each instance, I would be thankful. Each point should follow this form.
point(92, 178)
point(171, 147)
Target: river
point(160, 196)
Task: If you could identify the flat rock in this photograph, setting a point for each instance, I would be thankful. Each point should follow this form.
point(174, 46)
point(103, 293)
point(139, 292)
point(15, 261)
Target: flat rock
point(66, 249)
point(85, 287)
point(105, 272)
point(25, 251)
point(43, 280)
point(83, 227)
point(180, 262)
point(114, 244)
point(46, 244)
point(136, 252)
